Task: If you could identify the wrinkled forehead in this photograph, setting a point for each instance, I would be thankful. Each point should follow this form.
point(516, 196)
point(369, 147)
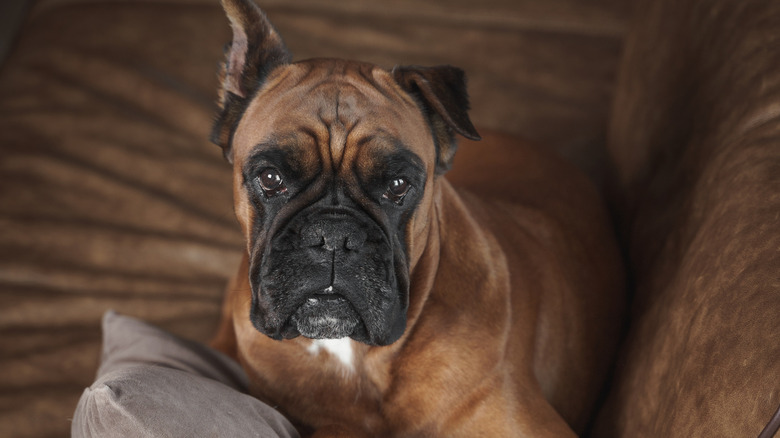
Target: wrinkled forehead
point(335, 110)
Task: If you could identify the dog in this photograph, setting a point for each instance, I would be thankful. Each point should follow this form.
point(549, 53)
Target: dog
point(378, 297)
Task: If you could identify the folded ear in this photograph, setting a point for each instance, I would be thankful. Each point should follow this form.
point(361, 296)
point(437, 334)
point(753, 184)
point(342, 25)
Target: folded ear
point(255, 51)
point(441, 91)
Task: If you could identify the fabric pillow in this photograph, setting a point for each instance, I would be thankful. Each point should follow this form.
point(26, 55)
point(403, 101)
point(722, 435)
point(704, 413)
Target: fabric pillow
point(154, 384)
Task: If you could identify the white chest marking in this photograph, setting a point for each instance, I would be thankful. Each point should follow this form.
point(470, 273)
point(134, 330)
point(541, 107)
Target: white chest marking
point(341, 348)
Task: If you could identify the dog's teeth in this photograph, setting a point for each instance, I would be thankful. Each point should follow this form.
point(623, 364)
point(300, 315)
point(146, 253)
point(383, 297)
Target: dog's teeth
point(313, 300)
point(329, 289)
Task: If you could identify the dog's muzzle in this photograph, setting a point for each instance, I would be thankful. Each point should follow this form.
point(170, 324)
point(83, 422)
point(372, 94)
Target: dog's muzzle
point(329, 274)
point(325, 316)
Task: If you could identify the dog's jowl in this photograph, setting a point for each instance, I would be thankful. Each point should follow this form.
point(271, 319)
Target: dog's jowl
point(390, 288)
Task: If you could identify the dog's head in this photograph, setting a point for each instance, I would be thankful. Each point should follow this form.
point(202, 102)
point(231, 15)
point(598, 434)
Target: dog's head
point(333, 167)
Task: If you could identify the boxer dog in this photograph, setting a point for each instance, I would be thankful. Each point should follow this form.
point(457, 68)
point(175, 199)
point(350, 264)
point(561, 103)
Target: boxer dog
point(378, 298)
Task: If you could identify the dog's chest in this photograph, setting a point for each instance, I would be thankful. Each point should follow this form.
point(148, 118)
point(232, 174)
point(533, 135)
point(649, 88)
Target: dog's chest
point(317, 382)
point(339, 350)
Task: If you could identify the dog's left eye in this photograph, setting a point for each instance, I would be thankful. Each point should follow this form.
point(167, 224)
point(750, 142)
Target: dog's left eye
point(397, 189)
point(271, 182)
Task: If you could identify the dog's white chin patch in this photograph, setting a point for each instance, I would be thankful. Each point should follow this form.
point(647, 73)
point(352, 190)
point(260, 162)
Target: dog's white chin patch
point(339, 348)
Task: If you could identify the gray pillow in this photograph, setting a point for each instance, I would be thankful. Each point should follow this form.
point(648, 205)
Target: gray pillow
point(154, 384)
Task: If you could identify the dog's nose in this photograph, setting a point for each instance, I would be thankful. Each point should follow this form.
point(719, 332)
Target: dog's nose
point(333, 234)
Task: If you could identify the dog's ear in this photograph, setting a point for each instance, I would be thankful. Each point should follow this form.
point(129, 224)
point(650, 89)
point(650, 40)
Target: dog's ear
point(441, 91)
point(256, 49)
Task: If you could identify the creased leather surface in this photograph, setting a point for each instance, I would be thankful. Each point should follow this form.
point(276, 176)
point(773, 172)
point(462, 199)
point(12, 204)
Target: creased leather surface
point(695, 137)
point(111, 195)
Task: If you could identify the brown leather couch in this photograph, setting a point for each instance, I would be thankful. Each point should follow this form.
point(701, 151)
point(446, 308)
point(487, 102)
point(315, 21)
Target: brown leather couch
point(111, 195)
point(695, 139)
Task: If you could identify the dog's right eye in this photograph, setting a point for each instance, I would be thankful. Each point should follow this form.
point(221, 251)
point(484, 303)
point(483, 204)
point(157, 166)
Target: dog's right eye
point(271, 182)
